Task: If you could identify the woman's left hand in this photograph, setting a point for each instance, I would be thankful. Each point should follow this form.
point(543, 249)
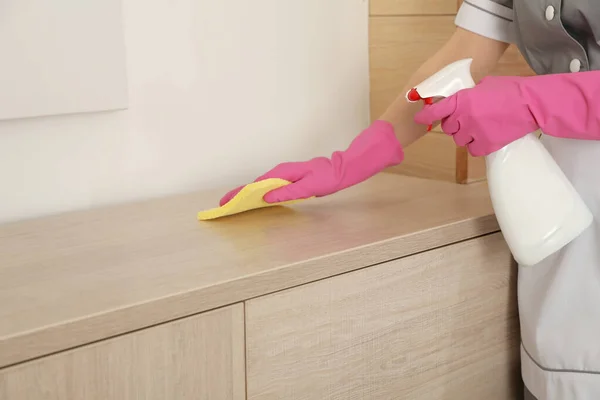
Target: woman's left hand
point(484, 118)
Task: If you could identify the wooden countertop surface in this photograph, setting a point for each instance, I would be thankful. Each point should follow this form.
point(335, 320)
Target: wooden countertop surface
point(76, 278)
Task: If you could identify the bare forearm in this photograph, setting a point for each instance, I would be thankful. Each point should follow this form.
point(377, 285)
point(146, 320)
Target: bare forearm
point(463, 44)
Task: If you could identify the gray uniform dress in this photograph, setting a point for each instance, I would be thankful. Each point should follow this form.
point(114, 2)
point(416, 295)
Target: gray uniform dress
point(559, 299)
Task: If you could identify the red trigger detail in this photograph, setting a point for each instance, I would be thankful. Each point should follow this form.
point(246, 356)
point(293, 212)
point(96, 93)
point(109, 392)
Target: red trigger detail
point(428, 101)
point(413, 95)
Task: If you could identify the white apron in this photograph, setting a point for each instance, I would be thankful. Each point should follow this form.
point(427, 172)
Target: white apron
point(559, 299)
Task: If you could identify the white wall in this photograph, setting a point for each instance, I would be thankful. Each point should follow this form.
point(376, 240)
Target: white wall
point(219, 91)
point(61, 60)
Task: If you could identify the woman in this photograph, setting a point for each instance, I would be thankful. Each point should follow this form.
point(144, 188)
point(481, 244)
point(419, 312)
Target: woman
point(559, 299)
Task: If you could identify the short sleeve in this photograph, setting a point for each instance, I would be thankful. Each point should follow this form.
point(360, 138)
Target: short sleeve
point(489, 18)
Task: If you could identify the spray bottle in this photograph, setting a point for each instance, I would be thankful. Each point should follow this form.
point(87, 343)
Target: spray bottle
point(538, 210)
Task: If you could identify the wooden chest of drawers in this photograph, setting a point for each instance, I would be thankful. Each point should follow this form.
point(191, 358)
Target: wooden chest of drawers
point(398, 288)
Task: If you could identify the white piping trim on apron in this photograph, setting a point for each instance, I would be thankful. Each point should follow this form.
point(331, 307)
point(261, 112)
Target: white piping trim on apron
point(555, 384)
point(486, 18)
point(493, 8)
point(573, 371)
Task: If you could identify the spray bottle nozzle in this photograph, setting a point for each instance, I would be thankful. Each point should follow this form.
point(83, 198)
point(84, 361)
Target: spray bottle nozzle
point(446, 82)
point(413, 95)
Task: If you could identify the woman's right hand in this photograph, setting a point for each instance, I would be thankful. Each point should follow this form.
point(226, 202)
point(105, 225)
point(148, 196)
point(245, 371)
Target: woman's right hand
point(375, 149)
point(309, 178)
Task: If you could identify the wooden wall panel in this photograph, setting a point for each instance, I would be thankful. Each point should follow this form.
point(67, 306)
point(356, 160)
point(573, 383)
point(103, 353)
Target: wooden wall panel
point(469, 169)
point(435, 156)
point(62, 57)
point(397, 47)
point(412, 7)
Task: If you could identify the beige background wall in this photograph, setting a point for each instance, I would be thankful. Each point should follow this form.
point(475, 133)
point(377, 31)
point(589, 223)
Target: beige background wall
point(219, 92)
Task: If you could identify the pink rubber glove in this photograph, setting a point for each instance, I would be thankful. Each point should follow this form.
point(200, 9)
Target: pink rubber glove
point(502, 109)
point(370, 152)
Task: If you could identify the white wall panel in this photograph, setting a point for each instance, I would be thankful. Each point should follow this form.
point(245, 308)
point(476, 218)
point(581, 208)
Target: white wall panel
point(61, 57)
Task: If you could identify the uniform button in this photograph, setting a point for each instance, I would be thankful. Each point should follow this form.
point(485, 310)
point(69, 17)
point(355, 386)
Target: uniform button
point(575, 65)
point(549, 13)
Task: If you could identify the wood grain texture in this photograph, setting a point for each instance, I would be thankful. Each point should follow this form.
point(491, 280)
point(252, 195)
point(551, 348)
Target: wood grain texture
point(71, 279)
point(200, 357)
point(436, 156)
point(412, 7)
point(462, 165)
point(439, 325)
point(397, 48)
point(469, 169)
point(476, 169)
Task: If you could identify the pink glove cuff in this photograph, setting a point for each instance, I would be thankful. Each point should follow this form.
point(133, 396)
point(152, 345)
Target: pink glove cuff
point(389, 140)
point(375, 149)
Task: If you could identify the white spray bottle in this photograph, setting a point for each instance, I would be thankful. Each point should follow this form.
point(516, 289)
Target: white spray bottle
point(538, 210)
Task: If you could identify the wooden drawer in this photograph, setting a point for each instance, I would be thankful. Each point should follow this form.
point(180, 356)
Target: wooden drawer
point(200, 357)
point(438, 325)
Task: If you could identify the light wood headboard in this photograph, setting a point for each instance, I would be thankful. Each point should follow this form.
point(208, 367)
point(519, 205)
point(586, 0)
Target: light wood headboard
point(403, 34)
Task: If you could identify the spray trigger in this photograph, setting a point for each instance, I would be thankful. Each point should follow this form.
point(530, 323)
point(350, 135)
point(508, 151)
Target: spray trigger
point(444, 83)
point(428, 101)
point(414, 96)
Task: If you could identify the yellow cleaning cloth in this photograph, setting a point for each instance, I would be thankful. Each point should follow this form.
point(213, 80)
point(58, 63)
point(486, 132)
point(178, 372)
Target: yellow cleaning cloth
point(249, 198)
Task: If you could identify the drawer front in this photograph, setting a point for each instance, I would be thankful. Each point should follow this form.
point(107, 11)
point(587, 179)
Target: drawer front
point(200, 357)
point(438, 325)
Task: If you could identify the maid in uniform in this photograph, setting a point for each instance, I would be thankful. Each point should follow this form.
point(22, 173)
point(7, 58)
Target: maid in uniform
point(559, 299)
